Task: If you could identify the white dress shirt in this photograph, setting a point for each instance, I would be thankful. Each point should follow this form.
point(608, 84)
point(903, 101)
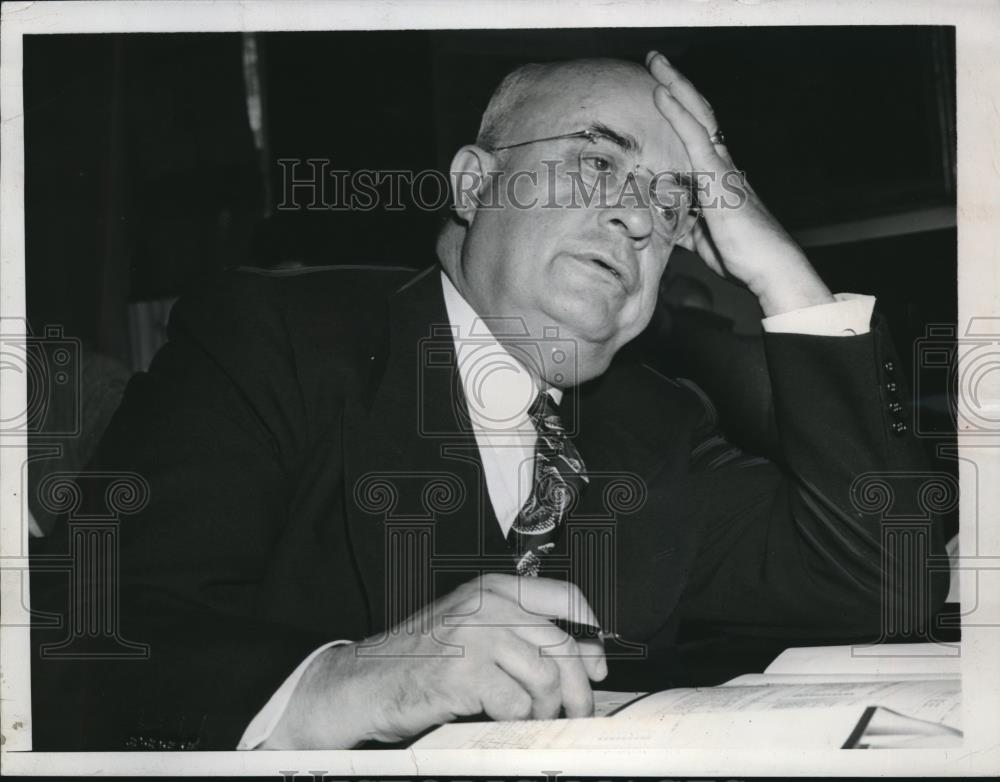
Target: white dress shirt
point(499, 392)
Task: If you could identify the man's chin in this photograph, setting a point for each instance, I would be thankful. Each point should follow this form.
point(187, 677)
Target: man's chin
point(588, 326)
point(595, 340)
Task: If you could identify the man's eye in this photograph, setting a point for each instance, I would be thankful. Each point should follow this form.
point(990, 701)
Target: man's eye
point(599, 163)
point(668, 213)
point(671, 200)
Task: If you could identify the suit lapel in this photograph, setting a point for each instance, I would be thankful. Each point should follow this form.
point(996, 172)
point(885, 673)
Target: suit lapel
point(624, 518)
point(619, 418)
point(417, 506)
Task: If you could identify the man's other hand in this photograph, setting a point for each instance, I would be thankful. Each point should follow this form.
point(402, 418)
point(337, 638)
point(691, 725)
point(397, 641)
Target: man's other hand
point(486, 648)
point(737, 236)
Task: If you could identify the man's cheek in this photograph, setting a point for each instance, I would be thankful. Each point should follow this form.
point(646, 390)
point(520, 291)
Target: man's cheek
point(521, 190)
point(638, 310)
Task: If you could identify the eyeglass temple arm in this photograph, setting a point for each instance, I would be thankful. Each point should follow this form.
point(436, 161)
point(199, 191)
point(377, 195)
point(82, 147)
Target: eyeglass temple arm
point(588, 134)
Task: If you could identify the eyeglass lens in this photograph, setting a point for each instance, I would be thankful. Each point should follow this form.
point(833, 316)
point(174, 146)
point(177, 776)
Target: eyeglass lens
point(606, 166)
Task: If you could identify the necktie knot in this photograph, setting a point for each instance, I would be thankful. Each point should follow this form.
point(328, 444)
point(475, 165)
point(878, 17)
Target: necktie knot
point(542, 409)
point(544, 414)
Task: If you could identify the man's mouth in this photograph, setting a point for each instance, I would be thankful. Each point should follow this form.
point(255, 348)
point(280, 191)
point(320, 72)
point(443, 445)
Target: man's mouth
point(603, 265)
point(609, 266)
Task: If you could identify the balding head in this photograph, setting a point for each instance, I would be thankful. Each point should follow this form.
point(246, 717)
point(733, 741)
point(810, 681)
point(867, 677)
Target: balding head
point(534, 86)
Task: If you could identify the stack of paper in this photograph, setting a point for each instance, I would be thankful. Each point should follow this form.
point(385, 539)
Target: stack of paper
point(903, 695)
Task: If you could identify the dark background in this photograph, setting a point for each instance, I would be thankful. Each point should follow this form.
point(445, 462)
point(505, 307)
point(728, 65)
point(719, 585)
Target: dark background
point(141, 169)
point(143, 174)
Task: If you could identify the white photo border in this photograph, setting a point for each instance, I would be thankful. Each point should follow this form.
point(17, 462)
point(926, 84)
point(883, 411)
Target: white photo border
point(977, 26)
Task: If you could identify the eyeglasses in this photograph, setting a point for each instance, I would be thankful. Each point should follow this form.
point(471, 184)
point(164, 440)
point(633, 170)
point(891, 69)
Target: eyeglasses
point(604, 164)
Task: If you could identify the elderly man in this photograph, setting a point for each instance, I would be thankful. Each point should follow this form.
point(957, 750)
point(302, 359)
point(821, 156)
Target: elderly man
point(355, 532)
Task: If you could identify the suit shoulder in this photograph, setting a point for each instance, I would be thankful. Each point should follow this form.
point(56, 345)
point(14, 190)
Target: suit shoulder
point(275, 317)
point(269, 302)
point(332, 280)
point(654, 407)
point(656, 390)
point(349, 286)
point(288, 341)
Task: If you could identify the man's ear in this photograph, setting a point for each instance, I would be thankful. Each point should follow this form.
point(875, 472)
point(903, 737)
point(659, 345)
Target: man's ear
point(470, 171)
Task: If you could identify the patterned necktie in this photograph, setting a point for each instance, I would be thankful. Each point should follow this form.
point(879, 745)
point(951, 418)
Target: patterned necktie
point(559, 478)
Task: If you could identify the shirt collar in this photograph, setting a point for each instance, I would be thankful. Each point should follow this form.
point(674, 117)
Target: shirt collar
point(498, 389)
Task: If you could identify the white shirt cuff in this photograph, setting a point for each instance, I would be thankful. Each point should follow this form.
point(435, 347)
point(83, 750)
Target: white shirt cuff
point(262, 726)
point(849, 315)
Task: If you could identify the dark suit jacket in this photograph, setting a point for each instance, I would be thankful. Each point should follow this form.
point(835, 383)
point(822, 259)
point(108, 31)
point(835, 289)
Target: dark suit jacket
point(303, 439)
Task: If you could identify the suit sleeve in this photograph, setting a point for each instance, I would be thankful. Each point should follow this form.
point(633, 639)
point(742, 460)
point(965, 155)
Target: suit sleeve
point(214, 429)
point(834, 536)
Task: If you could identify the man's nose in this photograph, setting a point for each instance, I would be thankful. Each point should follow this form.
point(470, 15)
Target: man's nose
point(630, 217)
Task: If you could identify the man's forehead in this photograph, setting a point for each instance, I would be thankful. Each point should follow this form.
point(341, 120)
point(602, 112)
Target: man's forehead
point(612, 94)
point(584, 85)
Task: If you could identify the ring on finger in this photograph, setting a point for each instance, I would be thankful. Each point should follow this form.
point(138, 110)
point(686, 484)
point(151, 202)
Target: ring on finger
point(717, 138)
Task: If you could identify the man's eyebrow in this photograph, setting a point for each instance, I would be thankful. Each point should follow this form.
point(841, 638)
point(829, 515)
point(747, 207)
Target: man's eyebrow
point(624, 140)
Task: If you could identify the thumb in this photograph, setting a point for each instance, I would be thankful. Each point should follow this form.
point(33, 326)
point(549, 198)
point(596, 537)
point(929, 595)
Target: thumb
point(545, 597)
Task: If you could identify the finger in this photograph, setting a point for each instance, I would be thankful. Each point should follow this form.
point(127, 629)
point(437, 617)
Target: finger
point(683, 90)
point(574, 680)
point(501, 697)
point(525, 605)
point(577, 666)
point(547, 599)
point(591, 652)
point(700, 148)
point(544, 597)
point(500, 618)
point(560, 646)
point(551, 643)
point(538, 675)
